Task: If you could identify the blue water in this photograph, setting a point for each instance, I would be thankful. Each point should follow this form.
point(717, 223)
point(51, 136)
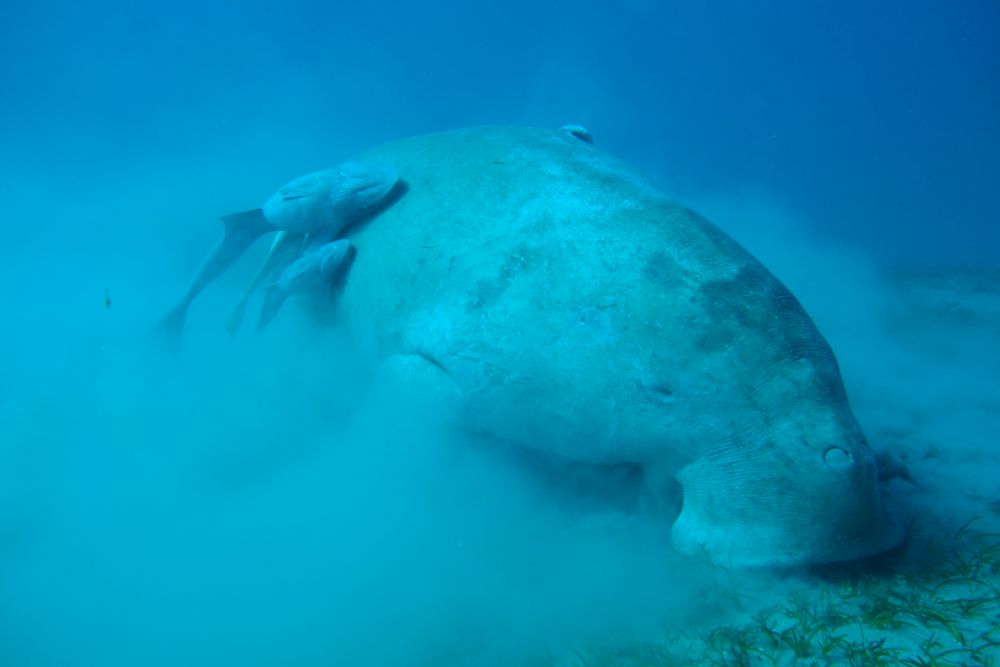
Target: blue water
point(878, 123)
point(178, 512)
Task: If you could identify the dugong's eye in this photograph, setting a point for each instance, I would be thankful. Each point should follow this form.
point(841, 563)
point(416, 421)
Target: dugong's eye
point(836, 457)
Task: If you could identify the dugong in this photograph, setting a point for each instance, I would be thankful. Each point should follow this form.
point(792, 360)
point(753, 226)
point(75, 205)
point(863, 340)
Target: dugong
point(567, 304)
point(319, 205)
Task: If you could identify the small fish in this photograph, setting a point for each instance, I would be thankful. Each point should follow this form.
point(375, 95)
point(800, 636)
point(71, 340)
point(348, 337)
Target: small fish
point(107, 298)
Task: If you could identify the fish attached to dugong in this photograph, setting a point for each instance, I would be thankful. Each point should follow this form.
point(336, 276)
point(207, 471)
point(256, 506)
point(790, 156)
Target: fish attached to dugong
point(318, 206)
point(565, 303)
point(310, 273)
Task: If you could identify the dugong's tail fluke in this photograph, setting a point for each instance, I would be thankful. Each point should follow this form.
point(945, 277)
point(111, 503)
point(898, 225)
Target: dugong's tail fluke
point(274, 297)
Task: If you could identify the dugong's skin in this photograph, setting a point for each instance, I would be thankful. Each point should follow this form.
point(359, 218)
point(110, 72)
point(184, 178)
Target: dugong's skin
point(572, 307)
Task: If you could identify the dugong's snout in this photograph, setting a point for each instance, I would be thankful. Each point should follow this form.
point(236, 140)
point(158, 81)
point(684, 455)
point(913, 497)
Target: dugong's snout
point(771, 502)
point(844, 512)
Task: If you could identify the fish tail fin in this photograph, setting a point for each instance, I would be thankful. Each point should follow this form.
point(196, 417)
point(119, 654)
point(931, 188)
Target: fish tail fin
point(236, 317)
point(170, 328)
point(273, 298)
point(250, 222)
point(241, 230)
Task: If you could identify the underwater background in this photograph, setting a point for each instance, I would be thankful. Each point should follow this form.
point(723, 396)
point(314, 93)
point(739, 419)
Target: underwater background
point(239, 504)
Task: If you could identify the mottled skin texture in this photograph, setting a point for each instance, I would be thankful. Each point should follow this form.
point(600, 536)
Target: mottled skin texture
point(569, 305)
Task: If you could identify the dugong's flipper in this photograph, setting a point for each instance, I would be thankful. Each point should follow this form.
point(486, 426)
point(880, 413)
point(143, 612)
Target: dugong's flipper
point(241, 229)
point(286, 246)
point(413, 382)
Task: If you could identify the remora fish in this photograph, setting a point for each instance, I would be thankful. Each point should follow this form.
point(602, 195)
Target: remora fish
point(319, 204)
point(309, 273)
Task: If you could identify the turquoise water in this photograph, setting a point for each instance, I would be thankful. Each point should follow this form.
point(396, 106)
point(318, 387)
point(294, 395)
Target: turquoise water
point(248, 502)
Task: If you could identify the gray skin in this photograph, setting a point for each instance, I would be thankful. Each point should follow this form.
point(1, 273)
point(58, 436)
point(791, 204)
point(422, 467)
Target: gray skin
point(561, 301)
point(311, 272)
point(318, 205)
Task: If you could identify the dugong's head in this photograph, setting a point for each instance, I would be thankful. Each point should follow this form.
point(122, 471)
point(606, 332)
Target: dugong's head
point(797, 485)
point(777, 470)
point(360, 188)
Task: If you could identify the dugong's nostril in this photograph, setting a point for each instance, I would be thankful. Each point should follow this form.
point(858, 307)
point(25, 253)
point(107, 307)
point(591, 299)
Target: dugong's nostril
point(837, 457)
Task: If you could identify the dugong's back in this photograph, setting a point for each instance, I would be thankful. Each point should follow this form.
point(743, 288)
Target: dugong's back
point(578, 310)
